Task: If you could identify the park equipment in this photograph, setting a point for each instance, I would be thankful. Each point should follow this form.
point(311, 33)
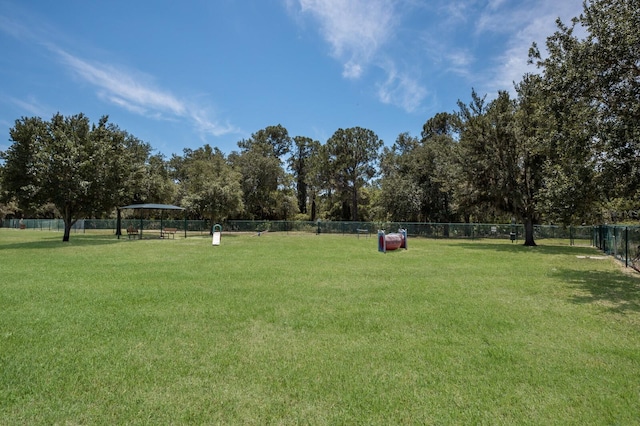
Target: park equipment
point(392, 241)
point(217, 232)
point(161, 207)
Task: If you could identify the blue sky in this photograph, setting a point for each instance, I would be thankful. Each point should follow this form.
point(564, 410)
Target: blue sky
point(180, 74)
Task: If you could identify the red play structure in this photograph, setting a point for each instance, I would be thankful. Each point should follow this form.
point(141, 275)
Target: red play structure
point(392, 241)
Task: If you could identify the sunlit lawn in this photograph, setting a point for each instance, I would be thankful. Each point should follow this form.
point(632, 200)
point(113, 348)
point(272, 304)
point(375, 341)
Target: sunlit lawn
point(313, 329)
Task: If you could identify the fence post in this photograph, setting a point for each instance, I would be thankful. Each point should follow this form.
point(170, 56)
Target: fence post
point(626, 247)
point(571, 242)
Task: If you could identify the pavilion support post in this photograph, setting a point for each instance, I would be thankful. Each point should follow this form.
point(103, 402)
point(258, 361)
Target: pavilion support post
point(119, 224)
point(160, 207)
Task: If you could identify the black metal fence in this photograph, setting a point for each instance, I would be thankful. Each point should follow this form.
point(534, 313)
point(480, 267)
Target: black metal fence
point(622, 242)
point(84, 225)
point(583, 234)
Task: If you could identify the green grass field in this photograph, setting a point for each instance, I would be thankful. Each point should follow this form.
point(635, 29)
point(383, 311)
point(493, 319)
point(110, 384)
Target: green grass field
point(307, 329)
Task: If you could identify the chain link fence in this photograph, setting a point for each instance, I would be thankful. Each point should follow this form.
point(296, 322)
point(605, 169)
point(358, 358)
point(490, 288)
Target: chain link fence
point(582, 235)
point(105, 225)
point(621, 242)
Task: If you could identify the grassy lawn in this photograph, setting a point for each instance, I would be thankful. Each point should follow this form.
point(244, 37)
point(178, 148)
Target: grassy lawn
point(306, 329)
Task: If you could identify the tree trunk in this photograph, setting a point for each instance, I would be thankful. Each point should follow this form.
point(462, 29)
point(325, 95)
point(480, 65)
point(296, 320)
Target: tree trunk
point(528, 233)
point(354, 202)
point(119, 224)
point(313, 208)
point(302, 197)
point(67, 230)
point(67, 217)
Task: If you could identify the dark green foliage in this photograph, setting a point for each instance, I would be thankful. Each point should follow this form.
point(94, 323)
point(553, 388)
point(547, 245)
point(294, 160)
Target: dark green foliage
point(300, 164)
point(352, 155)
point(83, 170)
point(419, 175)
point(593, 86)
point(209, 187)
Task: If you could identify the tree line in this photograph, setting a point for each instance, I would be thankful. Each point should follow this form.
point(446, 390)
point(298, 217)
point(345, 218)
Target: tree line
point(564, 148)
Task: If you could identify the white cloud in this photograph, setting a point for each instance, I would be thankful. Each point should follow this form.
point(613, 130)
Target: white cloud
point(352, 70)
point(460, 61)
point(401, 89)
point(13, 28)
point(31, 105)
point(123, 86)
point(494, 4)
point(131, 91)
point(523, 25)
point(454, 12)
point(206, 126)
point(460, 58)
point(360, 33)
point(123, 103)
point(355, 29)
point(486, 43)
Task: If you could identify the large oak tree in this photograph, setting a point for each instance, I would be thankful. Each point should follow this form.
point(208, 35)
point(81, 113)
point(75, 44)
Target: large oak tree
point(84, 170)
point(502, 155)
point(591, 76)
point(208, 187)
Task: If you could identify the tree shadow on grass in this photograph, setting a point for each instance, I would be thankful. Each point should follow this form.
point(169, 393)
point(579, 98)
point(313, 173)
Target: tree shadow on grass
point(50, 242)
point(618, 292)
point(541, 248)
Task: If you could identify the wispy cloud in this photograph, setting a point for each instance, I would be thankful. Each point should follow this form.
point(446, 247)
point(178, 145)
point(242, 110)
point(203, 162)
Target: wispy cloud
point(128, 89)
point(487, 43)
point(131, 90)
point(11, 27)
point(524, 24)
point(401, 89)
point(355, 29)
point(360, 33)
point(30, 105)
point(459, 61)
point(123, 87)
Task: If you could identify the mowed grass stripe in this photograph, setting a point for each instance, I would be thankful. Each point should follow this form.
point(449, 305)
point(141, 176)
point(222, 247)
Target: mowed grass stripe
point(316, 329)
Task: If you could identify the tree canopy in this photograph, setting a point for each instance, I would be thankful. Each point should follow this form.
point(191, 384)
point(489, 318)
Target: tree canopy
point(84, 170)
